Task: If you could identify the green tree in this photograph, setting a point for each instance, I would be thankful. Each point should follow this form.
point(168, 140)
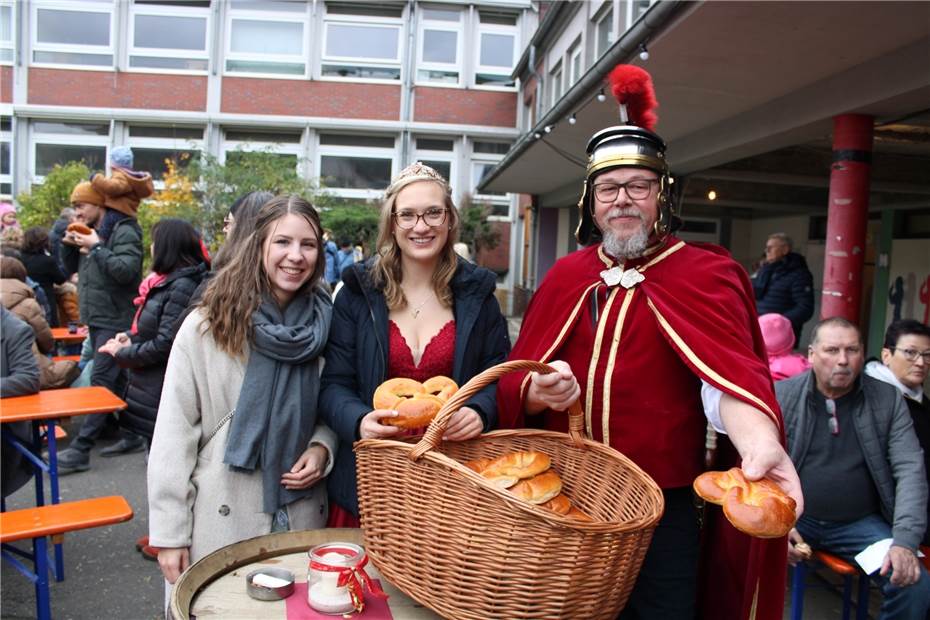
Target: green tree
point(475, 229)
point(357, 222)
point(176, 199)
point(42, 205)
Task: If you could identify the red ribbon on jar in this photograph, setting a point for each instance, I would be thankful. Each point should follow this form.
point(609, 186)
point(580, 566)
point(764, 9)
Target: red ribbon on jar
point(351, 577)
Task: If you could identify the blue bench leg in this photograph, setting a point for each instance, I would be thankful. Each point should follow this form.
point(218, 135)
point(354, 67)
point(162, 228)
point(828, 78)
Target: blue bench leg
point(798, 577)
point(847, 595)
point(56, 497)
point(43, 602)
point(862, 603)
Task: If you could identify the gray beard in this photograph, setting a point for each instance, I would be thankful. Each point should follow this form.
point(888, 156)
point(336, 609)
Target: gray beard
point(631, 247)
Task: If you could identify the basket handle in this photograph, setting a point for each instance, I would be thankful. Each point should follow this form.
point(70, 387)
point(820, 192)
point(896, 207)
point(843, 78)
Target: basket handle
point(437, 427)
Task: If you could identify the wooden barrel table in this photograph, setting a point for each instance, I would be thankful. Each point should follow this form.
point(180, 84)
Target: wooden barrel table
point(214, 586)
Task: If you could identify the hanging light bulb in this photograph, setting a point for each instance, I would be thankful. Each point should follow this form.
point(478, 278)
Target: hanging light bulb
point(712, 195)
point(548, 129)
point(537, 135)
point(572, 120)
point(601, 96)
point(643, 52)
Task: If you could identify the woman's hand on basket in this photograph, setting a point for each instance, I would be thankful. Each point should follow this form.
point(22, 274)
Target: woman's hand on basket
point(372, 428)
point(173, 561)
point(555, 390)
point(463, 424)
point(308, 469)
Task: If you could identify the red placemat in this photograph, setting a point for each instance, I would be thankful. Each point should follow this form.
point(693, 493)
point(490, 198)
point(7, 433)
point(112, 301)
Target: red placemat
point(298, 609)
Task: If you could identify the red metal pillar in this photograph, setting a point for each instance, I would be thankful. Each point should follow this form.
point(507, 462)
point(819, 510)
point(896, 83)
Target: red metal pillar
point(847, 216)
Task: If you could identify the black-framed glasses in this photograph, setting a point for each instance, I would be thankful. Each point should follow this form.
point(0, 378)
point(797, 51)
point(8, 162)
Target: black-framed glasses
point(833, 422)
point(408, 218)
point(911, 355)
point(636, 189)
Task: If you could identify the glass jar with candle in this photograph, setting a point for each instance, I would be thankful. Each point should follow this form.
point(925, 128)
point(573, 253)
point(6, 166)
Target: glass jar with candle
point(327, 561)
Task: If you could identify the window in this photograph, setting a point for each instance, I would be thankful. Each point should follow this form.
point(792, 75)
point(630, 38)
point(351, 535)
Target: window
point(440, 39)
point(574, 64)
point(6, 171)
point(635, 10)
point(62, 142)
point(485, 156)
point(438, 154)
point(6, 33)
point(283, 144)
point(267, 42)
point(361, 45)
point(355, 166)
point(64, 34)
point(168, 37)
point(555, 84)
point(152, 145)
point(496, 50)
point(605, 32)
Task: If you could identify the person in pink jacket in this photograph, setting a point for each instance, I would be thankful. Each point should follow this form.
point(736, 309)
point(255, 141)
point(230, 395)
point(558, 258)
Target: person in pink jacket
point(779, 341)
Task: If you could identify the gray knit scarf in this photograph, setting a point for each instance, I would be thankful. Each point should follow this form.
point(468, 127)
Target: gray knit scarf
point(276, 412)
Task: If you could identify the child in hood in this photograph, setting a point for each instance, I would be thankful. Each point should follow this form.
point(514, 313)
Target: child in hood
point(125, 187)
point(779, 341)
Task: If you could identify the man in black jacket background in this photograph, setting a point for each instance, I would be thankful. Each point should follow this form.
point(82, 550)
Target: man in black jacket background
point(784, 284)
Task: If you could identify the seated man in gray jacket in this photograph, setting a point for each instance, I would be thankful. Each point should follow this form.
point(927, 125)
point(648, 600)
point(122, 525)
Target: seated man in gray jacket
point(861, 468)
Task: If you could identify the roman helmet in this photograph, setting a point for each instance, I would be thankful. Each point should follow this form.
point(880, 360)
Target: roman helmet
point(632, 143)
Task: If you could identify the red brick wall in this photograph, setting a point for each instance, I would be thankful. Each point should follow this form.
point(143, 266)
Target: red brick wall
point(468, 107)
point(99, 89)
point(6, 84)
point(311, 98)
point(498, 259)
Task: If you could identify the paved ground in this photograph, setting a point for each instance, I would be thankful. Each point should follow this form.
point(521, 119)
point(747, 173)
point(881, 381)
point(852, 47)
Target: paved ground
point(106, 578)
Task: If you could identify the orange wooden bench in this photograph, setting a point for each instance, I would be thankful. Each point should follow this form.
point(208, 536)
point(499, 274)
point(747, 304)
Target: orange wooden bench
point(842, 568)
point(53, 520)
point(66, 358)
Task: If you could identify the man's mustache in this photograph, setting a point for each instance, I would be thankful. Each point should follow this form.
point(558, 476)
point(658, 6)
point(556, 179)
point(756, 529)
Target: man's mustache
point(624, 212)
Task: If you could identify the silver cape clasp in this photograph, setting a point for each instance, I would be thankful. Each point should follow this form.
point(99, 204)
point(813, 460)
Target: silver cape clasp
point(626, 279)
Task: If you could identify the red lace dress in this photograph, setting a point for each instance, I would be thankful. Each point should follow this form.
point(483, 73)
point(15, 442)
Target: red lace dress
point(437, 359)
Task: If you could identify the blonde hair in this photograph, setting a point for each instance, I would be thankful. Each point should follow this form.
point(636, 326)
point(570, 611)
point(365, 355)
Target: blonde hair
point(387, 271)
point(240, 286)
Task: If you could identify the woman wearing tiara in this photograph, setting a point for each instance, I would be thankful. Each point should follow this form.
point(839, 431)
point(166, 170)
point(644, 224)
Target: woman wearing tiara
point(415, 310)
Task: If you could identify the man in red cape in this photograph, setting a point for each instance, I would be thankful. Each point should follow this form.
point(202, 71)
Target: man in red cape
point(653, 334)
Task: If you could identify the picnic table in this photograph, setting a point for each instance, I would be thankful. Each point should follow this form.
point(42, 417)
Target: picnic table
point(44, 409)
point(63, 336)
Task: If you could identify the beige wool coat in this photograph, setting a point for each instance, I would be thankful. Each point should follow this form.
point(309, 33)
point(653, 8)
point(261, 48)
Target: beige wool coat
point(196, 500)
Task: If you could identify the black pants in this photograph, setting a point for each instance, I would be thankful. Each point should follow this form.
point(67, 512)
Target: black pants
point(106, 374)
point(666, 588)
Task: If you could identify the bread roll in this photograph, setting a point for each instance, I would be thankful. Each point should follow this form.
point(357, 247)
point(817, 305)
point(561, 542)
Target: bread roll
point(478, 465)
point(539, 489)
point(79, 228)
point(576, 513)
point(415, 412)
point(560, 504)
point(524, 464)
point(758, 508)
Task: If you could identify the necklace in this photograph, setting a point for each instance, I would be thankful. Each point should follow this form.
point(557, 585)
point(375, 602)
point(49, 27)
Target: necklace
point(416, 311)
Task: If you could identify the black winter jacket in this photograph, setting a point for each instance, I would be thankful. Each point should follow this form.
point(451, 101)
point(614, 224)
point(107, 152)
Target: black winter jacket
point(45, 270)
point(357, 353)
point(147, 356)
point(786, 287)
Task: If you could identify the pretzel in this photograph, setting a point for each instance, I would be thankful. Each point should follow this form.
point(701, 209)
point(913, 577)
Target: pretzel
point(79, 228)
point(758, 508)
point(415, 405)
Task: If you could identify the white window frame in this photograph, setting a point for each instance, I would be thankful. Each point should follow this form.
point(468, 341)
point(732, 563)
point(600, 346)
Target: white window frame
point(62, 140)
point(606, 15)
point(556, 84)
point(483, 29)
point(252, 146)
point(268, 16)
point(83, 7)
point(354, 152)
point(575, 64)
point(8, 45)
point(444, 26)
point(443, 156)
point(168, 11)
point(505, 200)
point(171, 144)
point(629, 12)
point(365, 21)
point(7, 137)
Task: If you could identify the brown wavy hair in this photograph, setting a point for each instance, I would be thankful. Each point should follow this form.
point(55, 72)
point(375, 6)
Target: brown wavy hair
point(239, 287)
point(386, 270)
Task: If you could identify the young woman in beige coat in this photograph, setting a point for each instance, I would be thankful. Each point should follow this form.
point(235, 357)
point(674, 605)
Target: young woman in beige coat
point(237, 450)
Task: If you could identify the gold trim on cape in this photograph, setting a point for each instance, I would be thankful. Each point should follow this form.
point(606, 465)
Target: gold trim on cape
point(592, 366)
point(707, 370)
point(611, 361)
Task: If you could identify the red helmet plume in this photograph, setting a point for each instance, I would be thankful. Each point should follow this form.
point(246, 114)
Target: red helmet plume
point(632, 86)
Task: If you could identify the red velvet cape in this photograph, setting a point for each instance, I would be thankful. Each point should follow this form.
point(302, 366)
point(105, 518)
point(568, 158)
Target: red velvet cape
point(703, 305)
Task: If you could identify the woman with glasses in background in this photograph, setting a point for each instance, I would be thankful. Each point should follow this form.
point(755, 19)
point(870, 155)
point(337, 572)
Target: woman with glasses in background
point(413, 310)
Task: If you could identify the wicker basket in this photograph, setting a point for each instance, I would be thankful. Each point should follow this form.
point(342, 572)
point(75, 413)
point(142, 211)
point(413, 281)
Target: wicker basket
point(466, 549)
